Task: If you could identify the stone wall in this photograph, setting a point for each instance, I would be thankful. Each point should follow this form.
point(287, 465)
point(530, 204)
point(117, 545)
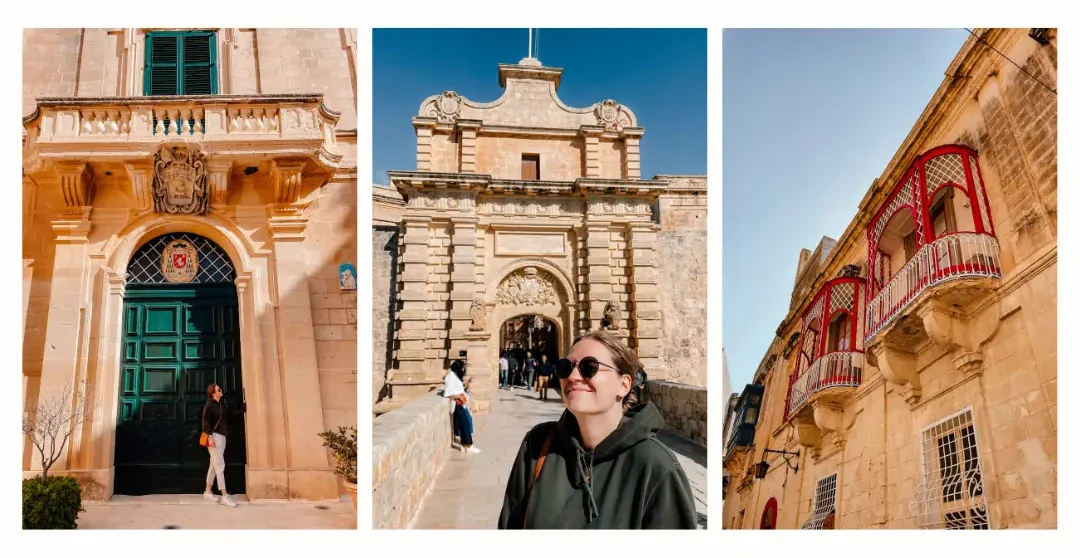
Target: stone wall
point(685, 407)
point(330, 241)
point(384, 255)
point(682, 270)
point(408, 448)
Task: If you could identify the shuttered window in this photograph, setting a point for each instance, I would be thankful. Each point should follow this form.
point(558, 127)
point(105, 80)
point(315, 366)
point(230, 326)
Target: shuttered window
point(180, 63)
point(530, 167)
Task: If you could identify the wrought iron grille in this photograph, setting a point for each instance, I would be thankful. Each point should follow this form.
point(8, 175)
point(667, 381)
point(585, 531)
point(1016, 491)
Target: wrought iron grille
point(824, 503)
point(214, 263)
point(950, 495)
point(944, 169)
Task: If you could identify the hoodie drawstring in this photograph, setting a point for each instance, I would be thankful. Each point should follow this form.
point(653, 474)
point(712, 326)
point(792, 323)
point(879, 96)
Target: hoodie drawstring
point(593, 511)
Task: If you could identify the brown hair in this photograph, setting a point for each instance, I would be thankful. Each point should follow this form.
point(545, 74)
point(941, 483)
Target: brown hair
point(621, 356)
point(210, 389)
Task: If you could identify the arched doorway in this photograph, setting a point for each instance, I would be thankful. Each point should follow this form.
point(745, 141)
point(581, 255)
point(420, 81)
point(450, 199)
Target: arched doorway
point(768, 517)
point(181, 332)
point(529, 334)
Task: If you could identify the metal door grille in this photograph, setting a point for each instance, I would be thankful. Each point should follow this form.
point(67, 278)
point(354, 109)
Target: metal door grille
point(214, 263)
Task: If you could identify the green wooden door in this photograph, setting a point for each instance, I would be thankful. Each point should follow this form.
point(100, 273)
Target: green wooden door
point(177, 339)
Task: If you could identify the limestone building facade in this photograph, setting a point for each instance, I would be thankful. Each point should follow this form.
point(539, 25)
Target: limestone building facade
point(526, 222)
point(189, 216)
point(913, 382)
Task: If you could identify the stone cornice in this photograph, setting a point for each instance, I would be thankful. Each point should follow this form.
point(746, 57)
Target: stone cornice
point(523, 71)
point(63, 102)
point(600, 186)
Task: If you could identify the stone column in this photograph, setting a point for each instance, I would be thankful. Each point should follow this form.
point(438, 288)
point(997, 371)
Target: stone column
point(631, 161)
point(591, 136)
point(644, 296)
point(467, 151)
point(485, 379)
point(412, 314)
point(425, 129)
point(462, 282)
point(310, 475)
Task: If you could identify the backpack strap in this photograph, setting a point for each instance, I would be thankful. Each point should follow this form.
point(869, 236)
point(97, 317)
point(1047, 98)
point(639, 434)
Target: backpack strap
point(544, 450)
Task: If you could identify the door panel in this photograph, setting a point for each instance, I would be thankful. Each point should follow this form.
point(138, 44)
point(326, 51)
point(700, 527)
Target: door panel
point(177, 340)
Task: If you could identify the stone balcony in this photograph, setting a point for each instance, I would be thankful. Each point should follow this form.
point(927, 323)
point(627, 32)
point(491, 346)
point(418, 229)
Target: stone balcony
point(244, 129)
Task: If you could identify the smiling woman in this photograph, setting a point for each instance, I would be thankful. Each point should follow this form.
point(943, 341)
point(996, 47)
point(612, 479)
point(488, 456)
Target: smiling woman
point(599, 452)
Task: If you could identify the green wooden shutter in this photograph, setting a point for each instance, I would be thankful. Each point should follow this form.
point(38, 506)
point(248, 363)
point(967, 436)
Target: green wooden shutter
point(161, 73)
point(200, 64)
point(181, 63)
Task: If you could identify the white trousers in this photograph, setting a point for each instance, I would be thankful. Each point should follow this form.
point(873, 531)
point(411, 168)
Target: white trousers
point(217, 462)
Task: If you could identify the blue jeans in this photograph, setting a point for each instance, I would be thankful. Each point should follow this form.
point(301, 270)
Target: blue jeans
point(463, 425)
point(502, 378)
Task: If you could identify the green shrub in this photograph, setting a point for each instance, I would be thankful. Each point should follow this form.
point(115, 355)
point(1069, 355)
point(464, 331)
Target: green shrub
point(342, 446)
point(51, 503)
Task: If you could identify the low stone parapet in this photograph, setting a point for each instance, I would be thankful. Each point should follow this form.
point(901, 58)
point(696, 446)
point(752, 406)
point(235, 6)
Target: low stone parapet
point(685, 407)
point(408, 446)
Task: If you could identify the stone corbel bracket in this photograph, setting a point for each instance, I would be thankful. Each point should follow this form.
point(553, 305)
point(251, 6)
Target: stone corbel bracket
point(287, 221)
point(141, 175)
point(329, 155)
point(811, 426)
point(963, 335)
point(898, 367)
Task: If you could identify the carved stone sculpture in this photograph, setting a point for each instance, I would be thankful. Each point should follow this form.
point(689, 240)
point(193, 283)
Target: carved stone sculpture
point(527, 287)
point(476, 311)
point(611, 316)
point(850, 270)
point(180, 182)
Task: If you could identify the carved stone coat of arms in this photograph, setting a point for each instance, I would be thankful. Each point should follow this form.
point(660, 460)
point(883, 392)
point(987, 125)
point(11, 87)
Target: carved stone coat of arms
point(180, 183)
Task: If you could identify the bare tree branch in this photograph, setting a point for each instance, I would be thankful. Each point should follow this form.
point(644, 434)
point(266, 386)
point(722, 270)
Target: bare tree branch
point(55, 417)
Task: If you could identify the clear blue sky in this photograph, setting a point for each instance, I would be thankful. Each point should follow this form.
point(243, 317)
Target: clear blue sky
point(811, 118)
point(659, 73)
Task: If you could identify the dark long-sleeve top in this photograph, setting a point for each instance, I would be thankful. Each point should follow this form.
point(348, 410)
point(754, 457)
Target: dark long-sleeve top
point(215, 410)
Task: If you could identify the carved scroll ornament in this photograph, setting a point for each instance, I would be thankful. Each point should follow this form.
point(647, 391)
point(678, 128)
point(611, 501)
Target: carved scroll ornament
point(527, 287)
point(180, 182)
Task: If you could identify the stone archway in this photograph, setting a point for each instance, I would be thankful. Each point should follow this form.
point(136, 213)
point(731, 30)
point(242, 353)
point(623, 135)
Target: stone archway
point(532, 288)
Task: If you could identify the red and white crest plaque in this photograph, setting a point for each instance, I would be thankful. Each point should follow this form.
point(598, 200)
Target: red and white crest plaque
point(179, 262)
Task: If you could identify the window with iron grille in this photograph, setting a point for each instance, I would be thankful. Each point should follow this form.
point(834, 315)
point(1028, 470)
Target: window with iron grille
point(951, 495)
point(214, 265)
point(824, 504)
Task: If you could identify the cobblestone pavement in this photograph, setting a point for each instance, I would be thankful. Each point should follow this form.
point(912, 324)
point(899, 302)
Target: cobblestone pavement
point(469, 490)
point(190, 511)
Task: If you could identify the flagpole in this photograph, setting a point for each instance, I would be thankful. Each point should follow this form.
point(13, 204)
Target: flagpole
point(530, 42)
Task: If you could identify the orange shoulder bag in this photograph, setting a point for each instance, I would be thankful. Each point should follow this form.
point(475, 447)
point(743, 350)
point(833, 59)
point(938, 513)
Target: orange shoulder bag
point(204, 439)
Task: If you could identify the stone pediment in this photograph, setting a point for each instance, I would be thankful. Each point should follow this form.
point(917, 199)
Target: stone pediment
point(528, 101)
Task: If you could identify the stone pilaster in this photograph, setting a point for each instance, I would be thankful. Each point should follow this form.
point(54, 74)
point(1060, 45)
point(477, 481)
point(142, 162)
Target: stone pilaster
point(631, 160)
point(591, 136)
point(412, 314)
point(425, 129)
point(219, 182)
point(598, 260)
point(485, 378)
point(467, 144)
point(309, 467)
point(462, 282)
point(141, 176)
point(645, 301)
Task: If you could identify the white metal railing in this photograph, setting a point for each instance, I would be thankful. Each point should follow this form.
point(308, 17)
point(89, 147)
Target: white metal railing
point(954, 256)
point(839, 369)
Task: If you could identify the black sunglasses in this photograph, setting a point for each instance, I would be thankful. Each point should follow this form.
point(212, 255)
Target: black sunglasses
point(588, 367)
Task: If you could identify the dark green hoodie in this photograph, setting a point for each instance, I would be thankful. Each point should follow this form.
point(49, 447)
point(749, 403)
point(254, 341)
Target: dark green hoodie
point(630, 481)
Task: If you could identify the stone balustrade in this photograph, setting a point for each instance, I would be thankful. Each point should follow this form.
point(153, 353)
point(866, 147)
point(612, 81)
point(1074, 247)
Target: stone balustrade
point(409, 446)
point(685, 407)
point(128, 127)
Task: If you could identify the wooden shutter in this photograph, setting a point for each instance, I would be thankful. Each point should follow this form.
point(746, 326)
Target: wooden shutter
point(161, 73)
point(530, 167)
point(199, 63)
point(181, 63)
point(909, 246)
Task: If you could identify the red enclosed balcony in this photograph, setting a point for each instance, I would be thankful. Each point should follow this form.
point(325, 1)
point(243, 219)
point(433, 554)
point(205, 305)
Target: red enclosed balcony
point(935, 228)
point(830, 355)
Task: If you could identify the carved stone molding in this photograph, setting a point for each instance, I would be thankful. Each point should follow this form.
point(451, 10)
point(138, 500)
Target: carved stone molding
point(180, 179)
point(73, 226)
point(618, 207)
point(529, 207)
point(610, 115)
point(219, 181)
point(898, 367)
point(477, 313)
point(141, 176)
point(444, 108)
point(77, 184)
point(527, 287)
point(287, 177)
point(442, 201)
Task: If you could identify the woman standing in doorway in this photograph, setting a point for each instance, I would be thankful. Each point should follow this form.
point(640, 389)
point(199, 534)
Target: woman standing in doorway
point(215, 424)
point(600, 466)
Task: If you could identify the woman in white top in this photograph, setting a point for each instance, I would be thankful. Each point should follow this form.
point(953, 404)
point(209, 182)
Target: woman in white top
point(454, 387)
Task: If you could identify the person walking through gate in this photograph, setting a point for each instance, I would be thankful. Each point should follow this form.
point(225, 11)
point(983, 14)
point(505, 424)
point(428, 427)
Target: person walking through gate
point(455, 386)
point(512, 371)
point(543, 373)
point(530, 370)
point(215, 430)
point(600, 466)
point(504, 369)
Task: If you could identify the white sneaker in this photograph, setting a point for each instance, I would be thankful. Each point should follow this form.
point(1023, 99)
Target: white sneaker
point(209, 496)
point(228, 501)
point(472, 450)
